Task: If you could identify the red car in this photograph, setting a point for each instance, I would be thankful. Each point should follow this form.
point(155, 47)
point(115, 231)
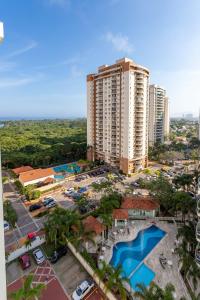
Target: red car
point(31, 236)
point(25, 261)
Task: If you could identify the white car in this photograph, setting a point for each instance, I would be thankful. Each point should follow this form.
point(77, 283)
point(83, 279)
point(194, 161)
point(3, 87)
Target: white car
point(6, 226)
point(82, 290)
point(39, 256)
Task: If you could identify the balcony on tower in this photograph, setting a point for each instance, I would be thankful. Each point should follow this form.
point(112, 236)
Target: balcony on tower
point(197, 254)
point(198, 208)
point(198, 232)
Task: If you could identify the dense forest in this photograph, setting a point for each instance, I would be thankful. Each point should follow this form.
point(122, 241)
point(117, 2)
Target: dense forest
point(42, 143)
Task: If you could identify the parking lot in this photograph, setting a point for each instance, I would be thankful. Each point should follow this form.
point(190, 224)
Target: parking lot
point(42, 274)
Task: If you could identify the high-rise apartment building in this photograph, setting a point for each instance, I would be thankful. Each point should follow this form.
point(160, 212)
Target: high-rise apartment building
point(117, 115)
point(158, 115)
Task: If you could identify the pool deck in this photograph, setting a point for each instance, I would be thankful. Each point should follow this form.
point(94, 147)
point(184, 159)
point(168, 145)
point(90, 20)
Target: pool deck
point(163, 276)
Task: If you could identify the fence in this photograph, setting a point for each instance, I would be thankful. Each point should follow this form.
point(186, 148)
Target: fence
point(91, 272)
point(20, 251)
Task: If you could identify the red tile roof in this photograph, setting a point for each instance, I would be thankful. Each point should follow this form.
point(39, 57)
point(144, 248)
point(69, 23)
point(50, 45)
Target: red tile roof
point(22, 169)
point(49, 180)
point(35, 174)
point(120, 214)
point(92, 224)
point(143, 203)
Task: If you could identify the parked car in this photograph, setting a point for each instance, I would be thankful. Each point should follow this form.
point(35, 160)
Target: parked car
point(35, 206)
point(47, 200)
point(25, 261)
point(82, 290)
point(83, 209)
point(6, 225)
point(51, 204)
point(31, 236)
point(58, 253)
point(39, 256)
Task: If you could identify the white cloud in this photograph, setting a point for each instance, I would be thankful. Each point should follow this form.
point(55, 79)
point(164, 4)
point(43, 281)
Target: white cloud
point(31, 45)
point(76, 72)
point(65, 62)
point(120, 42)
point(7, 66)
point(19, 81)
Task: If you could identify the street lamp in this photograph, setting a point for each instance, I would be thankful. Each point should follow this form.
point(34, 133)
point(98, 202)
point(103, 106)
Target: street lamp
point(2, 243)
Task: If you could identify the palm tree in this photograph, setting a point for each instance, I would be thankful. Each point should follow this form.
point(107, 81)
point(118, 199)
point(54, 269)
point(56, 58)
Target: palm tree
point(168, 292)
point(113, 278)
point(187, 234)
point(81, 235)
point(194, 274)
point(59, 225)
point(154, 292)
point(27, 292)
point(117, 282)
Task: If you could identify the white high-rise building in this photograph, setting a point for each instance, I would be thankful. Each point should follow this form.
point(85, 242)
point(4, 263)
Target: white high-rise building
point(117, 115)
point(2, 243)
point(158, 114)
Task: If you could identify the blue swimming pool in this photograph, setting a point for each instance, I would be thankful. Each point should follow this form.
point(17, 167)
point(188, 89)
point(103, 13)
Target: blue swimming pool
point(69, 168)
point(131, 254)
point(59, 177)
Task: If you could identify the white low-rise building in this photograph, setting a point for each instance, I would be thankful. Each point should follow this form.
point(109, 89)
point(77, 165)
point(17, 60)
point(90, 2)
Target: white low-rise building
point(36, 176)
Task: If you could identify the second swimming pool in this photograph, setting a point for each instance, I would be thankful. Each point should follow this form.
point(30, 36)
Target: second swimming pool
point(131, 254)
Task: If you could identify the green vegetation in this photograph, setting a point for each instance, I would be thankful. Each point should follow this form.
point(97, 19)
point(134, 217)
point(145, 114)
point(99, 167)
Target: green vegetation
point(9, 213)
point(28, 191)
point(27, 291)
point(4, 179)
point(42, 143)
point(154, 292)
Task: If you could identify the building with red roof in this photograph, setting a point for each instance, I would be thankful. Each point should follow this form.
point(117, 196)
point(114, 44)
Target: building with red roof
point(35, 176)
point(120, 217)
point(93, 225)
point(140, 206)
point(22, 169)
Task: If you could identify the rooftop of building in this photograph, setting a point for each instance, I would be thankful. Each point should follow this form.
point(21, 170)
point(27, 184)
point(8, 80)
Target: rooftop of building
point(126, 64)
point(92, 224)
point(22, 169)
point(120, 214)
point(36, 174)
point(143, 203)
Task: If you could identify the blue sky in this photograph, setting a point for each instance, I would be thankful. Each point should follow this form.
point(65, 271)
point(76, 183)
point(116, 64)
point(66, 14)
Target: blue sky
point(50, 46)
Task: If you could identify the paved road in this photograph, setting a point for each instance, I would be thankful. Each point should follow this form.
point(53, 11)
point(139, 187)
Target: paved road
point(25, 222)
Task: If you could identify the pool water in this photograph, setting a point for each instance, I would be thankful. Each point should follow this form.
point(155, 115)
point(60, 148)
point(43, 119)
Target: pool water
point(59, 177)
point(143, 275)
point(130, 255)
point(69, 168)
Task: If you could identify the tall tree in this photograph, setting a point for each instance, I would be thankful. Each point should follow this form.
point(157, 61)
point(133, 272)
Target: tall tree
point(27, 291)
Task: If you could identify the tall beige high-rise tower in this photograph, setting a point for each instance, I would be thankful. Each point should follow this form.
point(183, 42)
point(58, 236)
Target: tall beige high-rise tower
point(158, 115)
point(117, 115)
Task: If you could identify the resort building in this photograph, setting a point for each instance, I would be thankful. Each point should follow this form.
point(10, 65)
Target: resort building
point(117, 115)
point(22, 169)
point(120, 217)
point(93, 225)
point(140, 207)
point(158, 115)
point(36, 176)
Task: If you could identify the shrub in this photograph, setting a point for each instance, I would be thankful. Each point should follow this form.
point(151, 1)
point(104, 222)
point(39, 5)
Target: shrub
point(9, 213)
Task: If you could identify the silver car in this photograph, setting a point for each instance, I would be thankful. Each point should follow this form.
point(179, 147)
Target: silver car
point(39, 256)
